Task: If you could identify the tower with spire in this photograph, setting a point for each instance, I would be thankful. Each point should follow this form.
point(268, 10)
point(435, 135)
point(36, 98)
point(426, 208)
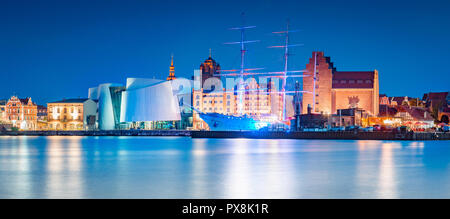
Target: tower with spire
point(172, 71)
point(209, 68)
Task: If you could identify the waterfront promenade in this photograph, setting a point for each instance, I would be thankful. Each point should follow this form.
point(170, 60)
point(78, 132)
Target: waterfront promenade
point(349, 135)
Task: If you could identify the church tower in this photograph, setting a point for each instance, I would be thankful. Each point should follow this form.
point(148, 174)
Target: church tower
point(172, 71)
point(209, 68)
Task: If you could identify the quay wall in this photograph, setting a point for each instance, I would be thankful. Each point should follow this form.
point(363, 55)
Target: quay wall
point(104, 133)
point(350, 135)
point(322, 135)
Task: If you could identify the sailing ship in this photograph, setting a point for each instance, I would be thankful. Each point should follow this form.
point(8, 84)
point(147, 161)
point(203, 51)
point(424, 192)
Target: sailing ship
point(243, 122)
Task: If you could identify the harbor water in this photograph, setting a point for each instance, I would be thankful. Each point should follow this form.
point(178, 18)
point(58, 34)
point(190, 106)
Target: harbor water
point(181, 167)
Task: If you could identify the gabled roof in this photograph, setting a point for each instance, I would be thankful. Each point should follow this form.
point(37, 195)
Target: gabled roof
point(25, 101)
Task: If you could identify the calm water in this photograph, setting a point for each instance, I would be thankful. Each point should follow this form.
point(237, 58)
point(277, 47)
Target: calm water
point(153, 167)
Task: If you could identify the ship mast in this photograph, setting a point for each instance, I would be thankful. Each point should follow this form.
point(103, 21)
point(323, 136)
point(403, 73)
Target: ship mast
point(285, 70)
point(240, 87)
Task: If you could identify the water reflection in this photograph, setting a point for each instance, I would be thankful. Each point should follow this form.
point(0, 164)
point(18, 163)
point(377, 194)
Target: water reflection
point(136, 167)
point(387, 184)
point(64, 164)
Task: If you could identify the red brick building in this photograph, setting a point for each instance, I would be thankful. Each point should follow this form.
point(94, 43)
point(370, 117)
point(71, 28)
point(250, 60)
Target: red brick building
point(338, 89)
point(22, 113)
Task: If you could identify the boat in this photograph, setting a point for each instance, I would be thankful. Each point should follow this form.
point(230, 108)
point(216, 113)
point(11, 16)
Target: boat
point(220, 122)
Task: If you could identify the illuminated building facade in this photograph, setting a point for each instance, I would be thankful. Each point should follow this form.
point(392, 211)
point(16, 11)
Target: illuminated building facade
point(338, 89)
point(72, 114)
point(22, 113)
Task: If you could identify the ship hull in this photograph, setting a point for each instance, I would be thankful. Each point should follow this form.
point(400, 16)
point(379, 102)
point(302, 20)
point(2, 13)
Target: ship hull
point(219, 122)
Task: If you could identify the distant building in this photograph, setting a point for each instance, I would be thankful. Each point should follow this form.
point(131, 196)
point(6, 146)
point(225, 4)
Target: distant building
point(439, 105)
point(414, 117)
point(42, 117)
point(349, 117)
point(338, 89)
point(72, 114)
point(311, 120)
point(41, 113)
point(22, 113)
point(3, 117)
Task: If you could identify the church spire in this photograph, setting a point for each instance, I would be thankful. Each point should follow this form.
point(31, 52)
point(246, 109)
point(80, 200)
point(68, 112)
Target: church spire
point(172, 71)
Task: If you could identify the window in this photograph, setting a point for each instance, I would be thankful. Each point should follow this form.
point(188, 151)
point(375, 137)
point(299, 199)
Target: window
point(351, 81)
point(368, 81)
point(359, 81)
point(343, 82)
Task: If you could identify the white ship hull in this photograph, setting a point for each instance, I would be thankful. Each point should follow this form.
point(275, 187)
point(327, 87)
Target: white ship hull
point(219, 122)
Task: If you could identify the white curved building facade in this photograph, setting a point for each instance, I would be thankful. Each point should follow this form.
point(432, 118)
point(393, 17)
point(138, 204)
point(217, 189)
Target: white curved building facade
point(149, 100)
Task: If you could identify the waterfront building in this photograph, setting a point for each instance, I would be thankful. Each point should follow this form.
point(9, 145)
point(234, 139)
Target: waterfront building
point(72, 114)
point(416, 118)
point(108, 97)
point(42, 117)
point(439, 105)
point(22, 113)
point(3, 118)
point(311, 120)
point(339, 89)
point(144, 104)
point(349, 117)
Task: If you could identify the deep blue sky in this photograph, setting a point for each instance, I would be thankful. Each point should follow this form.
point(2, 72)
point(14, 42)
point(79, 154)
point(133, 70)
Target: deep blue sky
point(51, 50)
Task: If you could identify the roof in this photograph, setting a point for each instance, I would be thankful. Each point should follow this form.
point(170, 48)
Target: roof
point(25, 101)
point(77, 100)
point(353, 79)
point(418, 113)
point(437, 96)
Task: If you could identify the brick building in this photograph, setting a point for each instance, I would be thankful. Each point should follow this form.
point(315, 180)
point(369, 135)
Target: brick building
point(22, 113)
point(339, 89)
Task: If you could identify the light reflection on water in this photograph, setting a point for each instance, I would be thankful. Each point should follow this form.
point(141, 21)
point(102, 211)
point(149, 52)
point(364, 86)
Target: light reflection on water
point(169, 167)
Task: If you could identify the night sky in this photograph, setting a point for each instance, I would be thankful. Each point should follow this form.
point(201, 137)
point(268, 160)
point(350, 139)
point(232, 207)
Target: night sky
point(51, 50)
